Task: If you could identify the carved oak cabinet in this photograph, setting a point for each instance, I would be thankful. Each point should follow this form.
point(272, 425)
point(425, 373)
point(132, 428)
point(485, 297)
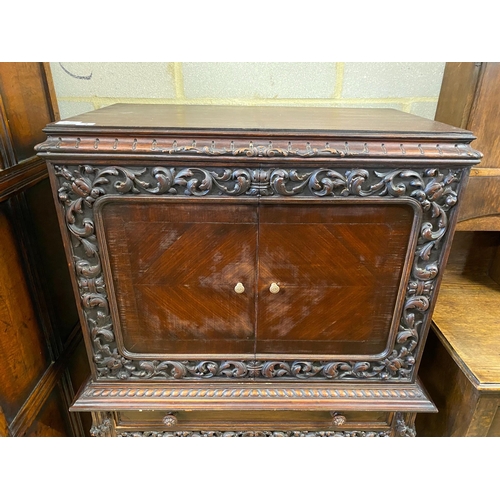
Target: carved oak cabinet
point(255, 271)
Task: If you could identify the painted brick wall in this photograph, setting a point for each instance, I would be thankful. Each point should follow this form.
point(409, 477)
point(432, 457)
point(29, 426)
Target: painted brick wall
point(411, 87)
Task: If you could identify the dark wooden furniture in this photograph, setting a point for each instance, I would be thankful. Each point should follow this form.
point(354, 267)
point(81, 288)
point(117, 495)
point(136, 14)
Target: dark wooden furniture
point(461, 364)
point(255, 271)
point(40, 339)
point(470, 98)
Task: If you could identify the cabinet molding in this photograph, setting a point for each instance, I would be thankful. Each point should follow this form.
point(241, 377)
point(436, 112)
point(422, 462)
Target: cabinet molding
point(70, 146)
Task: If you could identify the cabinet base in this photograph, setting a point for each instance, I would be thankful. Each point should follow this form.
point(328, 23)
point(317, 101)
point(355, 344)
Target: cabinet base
point(253, 409)
point(108, 424)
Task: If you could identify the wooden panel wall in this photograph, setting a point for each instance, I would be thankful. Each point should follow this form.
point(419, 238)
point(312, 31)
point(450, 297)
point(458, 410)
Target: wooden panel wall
point(39, 329)
point(470, 98)
point(460, 361)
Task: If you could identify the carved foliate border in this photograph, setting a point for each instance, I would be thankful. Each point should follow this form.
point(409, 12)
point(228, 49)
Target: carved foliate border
point(80, 186)
point(254, 434)
point(103, 426)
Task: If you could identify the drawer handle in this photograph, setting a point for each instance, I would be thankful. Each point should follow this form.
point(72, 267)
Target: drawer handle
point(274, 288)
point(239, 288)
point(338, 420)
point(170, 420)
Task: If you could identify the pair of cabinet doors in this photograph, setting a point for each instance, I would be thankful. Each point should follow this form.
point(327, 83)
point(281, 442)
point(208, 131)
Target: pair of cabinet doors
point(250, 278)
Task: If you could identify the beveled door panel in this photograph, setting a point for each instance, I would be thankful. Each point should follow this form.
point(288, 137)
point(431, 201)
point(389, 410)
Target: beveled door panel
point(339, 269)
point(183, 275)
point(175, 269)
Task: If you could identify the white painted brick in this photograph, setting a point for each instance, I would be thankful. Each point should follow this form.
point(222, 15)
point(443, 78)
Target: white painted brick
point(425, 109)
point(372, 80)
point(259, 80)
point(125, 80)
point(68, 109)
point(391, 105)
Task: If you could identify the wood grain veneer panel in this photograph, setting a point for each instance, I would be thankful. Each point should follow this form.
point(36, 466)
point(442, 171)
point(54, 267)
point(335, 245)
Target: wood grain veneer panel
point(472, 255)
point(28, 105)
point(54, 274)
point(457, 93)
point(495, 266)
point(174, 268)
point(481, 200)
point(79, 371)
point(24, 353)
point(450, 389)
point(494, 430)
point(467, 314)
point(339, 267)
point(52, 420)
point(4, 425)
point(484, 120)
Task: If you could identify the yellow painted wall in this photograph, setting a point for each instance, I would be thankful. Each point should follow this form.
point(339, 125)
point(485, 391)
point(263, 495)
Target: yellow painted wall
point(411, 87)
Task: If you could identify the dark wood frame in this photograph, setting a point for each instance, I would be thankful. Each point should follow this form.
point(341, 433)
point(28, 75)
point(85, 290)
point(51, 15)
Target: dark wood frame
point(111, 294)
point(79, 216)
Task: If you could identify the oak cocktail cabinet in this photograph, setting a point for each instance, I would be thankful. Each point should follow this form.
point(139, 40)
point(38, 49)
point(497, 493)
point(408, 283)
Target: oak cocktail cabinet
point(255, 271)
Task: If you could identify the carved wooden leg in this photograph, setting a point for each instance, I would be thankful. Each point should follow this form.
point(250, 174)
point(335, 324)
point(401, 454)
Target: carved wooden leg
point(102, 424)
point(405, 424)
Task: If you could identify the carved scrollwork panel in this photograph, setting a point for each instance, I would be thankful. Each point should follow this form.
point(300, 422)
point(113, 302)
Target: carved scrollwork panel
point(435, 191)
point(255, 434)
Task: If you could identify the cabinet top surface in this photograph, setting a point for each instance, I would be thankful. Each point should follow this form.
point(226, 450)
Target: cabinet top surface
point(263, 119)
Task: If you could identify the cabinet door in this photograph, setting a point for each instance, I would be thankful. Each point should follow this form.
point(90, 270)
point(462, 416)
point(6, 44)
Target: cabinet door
point(339, 267)
point(173, 266)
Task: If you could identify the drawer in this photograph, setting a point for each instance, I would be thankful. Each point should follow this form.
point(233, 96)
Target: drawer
point(238, 421)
